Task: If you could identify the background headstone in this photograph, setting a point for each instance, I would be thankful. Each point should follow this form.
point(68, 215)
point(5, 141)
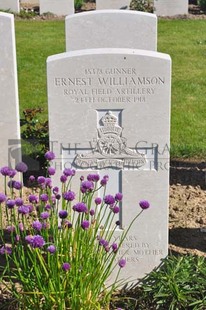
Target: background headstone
point(10, 151)
point(111, 28)
point(112, 4)
point(170, 8)
point(109, 111)
point(33, 2)
point(57, 7)
point(12, 5)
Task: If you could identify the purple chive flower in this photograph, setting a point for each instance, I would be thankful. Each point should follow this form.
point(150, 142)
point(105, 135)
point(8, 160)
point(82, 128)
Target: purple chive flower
point(5, 250)
point(80, 207)
point(44, 197)
point(23, 210)
point(51, 171)
point(85, 225)
point(98, 201)
point(29, 239)
point(107, 248)
point(21, 167)
point(122, 263)
point(92, 212)
point(63, 214)
point(68, 172)
point(33, 198)
point(10, 228)
point(118, 197)
point(19, 202)
point(31, 208)
point(31, 178)
point(144, 204)
point(66, 266)
point(69, 196)
point(49, 155)
point(5, 171)
point(51, 249)
point(2, 197)
point(86, 186)
point(41, 180)
point(11, 183)
point(93, 177)
point(17, 238)
point(45, 225)
point(109, 200)
point(114, 247)
point(104, 180)
point(103, 242)
point(21, 227)
point(47, 207)
point(115, 209)
point(63, 178)
point(48, 182)
point(10, 203)
point(44, 215)
point(37, 225)
point(55, 190)
point(17, 185)
point(58, 196)
point(68, 224)
point(37, 241)
point(12, 173)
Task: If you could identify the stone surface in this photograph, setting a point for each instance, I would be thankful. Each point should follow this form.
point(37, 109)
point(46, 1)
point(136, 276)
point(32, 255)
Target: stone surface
point(10, 152)
point(57, 7)
point(112, 4)
point(170, 8)
point(12, 5)
point(111, 114)
point(106, 28)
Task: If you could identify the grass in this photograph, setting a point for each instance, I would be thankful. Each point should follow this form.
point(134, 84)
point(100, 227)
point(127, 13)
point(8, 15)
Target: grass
point(178, 284)
point(184, 40)
point(36, 40)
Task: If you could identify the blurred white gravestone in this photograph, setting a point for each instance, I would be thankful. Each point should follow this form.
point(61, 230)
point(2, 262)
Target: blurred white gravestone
point(111, 28)
point(112, 4)
point(12, 5)
point(10, 152)
point(57, 7)
point(109, 111)
point(170, 8)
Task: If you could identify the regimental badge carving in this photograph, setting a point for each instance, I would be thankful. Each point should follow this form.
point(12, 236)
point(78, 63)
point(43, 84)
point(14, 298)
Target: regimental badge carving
point(110, 148)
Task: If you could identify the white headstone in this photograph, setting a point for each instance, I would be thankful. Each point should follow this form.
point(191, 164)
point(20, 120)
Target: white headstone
point(12, 5)
point(170, 8)
point(109, 111)
point(10, 152)
point(57, 7)
point(111, 28)
point(112, 4)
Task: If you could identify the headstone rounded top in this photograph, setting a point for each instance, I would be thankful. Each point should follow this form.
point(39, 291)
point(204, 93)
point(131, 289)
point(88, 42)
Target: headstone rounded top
point(114, 11)
point(109, 51)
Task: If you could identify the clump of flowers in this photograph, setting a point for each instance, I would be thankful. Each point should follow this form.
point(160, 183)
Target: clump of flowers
point(62, 248)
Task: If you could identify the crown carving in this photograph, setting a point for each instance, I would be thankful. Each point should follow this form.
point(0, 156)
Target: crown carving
point(109, 121)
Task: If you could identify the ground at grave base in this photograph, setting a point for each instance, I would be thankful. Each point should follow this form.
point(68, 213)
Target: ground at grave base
point(187, 220)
